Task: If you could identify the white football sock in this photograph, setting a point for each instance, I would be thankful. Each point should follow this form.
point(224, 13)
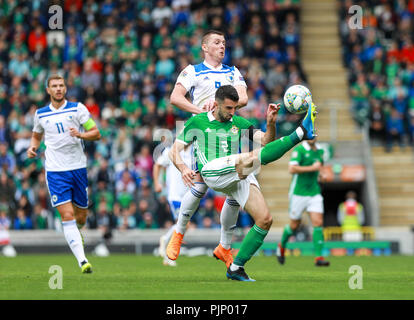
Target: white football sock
point(228, 221)
point(189, 205)
point(74, 239)
point(234, 267)
point(300, 133)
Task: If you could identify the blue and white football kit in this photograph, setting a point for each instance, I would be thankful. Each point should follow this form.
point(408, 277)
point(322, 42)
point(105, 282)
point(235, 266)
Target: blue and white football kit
point(65, 164)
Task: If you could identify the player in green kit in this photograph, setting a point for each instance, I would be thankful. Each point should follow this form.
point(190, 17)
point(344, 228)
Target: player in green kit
point(305, 195)
point(216, 137)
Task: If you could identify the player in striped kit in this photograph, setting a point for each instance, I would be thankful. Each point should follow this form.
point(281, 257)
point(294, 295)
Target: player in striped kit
point(201, 81)
point(65, 125)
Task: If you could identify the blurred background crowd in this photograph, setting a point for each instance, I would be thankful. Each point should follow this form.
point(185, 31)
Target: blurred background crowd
point(121, 59)
point(380, 58)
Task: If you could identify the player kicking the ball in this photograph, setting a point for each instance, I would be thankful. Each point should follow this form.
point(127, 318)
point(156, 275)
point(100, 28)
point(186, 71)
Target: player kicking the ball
point(216, 137)
point(65, 124)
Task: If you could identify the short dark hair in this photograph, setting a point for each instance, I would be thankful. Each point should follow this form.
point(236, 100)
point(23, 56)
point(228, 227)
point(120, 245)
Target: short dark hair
point(209, 33)
point(227, 92)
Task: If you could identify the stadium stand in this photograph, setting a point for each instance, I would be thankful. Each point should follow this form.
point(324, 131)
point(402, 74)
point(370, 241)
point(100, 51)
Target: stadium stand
point(380, 60)
point(121, 58)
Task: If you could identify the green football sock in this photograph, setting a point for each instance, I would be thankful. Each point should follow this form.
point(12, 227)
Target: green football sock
point(250, 244)
point(318, 240)
point(287, 232)
point(276, 149)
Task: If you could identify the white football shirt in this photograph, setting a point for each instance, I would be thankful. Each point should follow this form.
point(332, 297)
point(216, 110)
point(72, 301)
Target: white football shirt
point(202, 80)
point(63, 152)
point(176, 188)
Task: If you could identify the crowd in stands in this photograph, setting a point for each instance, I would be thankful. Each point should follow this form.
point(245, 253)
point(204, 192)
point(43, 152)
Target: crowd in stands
point(380, 58)
point(121, 59)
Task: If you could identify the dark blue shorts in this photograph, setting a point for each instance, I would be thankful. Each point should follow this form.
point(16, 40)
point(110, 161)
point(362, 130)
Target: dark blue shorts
point(68, 186)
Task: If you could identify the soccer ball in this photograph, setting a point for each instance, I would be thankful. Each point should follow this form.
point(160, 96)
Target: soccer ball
point(297, 99)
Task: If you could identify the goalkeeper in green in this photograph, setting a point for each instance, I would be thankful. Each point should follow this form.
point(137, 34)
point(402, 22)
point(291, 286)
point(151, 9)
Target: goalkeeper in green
point(216, 137)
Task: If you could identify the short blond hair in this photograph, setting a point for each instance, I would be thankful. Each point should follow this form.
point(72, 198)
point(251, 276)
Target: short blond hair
point(209, 33)
point(54, 77)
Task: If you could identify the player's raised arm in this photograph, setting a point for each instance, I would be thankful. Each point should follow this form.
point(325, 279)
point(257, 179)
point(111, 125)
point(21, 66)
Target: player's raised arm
point(178, 99)
point(243, 97)
point(265, 137)
point(34, 144)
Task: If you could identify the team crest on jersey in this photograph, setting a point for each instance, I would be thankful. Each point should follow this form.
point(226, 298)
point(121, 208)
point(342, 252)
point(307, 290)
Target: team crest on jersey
point(234, 129)
point(69, 118)
point(54, 198)
point(230, 77)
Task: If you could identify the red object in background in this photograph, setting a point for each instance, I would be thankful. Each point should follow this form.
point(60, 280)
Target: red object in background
point(93, 109)
point(170, 120)
point(351, 207)
point(34, 39)
point(69, 3)
point(410, 6)
point(407, 54)
point(219, 202)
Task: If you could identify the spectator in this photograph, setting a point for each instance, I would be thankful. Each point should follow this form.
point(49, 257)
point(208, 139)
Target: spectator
point(40, 217)
point(351, 217)
point(394, 129)
point(22, 222)
point(148, 221)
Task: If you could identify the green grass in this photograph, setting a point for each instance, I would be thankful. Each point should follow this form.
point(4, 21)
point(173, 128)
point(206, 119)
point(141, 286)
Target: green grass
point(204, 278)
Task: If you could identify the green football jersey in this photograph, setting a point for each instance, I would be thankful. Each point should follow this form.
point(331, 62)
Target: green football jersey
point(305, 184)
point(213, 139)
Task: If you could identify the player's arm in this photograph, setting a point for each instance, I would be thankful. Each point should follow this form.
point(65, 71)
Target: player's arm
point(186, 173)
point(265, 137)
point(91, 134)
point(155, 176)
point(296, 168)
point(243, 97)
point(178, 99)
point(34, 144)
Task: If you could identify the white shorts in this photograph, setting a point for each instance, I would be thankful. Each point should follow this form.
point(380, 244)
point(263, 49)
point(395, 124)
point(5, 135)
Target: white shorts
point(299, 204)
point(220, 175)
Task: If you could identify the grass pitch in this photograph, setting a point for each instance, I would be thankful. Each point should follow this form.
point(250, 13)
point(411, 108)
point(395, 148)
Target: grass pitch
point(124, 277)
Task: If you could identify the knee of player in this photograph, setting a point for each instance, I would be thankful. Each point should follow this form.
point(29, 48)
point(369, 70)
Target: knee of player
point(317, 222)
point(67, 216)
point(267, 220)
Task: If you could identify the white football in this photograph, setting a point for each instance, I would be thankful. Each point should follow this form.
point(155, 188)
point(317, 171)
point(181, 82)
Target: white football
point(297, 99)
